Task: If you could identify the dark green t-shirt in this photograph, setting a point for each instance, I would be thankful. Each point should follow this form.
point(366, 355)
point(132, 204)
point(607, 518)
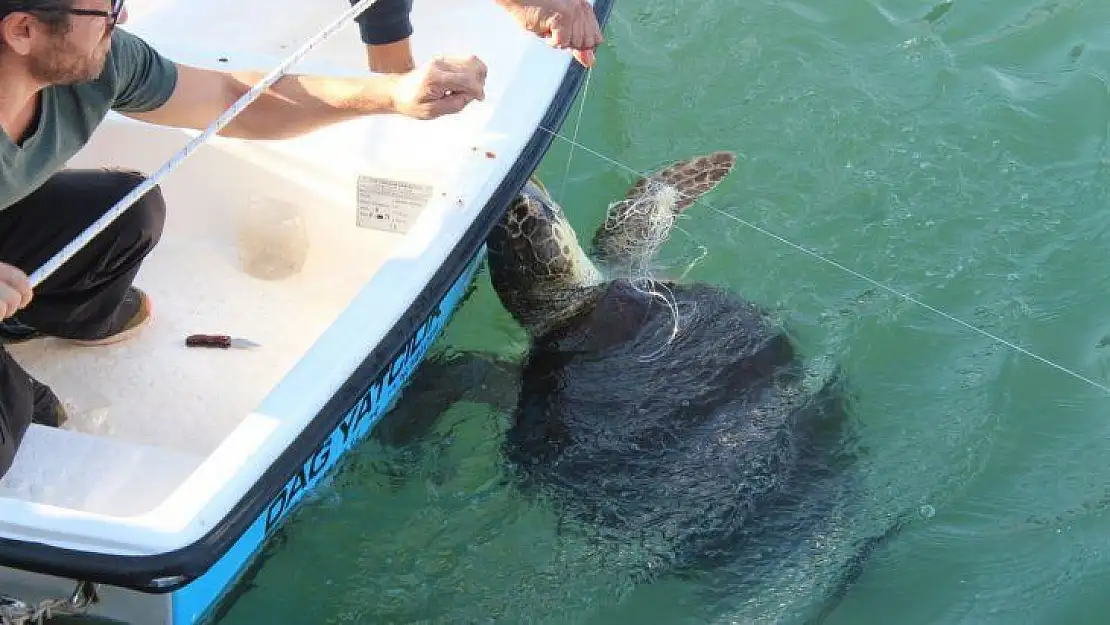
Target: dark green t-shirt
point(135, 78)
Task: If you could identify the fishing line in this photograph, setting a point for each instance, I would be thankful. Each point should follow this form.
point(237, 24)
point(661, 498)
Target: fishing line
point(577, 123)
point(841, 267)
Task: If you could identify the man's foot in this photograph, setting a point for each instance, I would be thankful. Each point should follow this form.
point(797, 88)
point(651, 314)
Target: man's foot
point(48, 409)
point(130, 318)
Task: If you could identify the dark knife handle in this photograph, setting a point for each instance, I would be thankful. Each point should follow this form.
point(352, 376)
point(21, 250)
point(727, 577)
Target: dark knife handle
point(208, 340)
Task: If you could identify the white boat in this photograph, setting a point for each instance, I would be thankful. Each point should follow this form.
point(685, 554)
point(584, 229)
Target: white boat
point(178, 463)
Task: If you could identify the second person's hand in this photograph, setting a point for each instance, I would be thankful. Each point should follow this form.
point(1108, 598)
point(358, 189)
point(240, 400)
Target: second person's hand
point(563, 23)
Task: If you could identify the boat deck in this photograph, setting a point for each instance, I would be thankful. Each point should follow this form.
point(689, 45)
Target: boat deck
point(154, 390)
point(177, 405)
point(162, 439)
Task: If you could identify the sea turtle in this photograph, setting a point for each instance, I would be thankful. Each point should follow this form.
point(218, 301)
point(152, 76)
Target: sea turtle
point(674, 412)
point(649, 404)
point(673, 416)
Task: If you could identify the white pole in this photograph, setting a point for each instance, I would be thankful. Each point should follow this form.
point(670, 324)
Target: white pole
point(67, 252)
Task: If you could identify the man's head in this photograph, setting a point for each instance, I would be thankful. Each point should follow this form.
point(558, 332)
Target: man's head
point(59, 41)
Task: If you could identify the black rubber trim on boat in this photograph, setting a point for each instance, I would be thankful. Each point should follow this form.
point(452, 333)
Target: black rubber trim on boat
point(169, 571)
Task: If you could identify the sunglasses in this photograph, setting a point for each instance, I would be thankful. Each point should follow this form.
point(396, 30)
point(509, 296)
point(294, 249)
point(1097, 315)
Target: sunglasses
point(112, 15)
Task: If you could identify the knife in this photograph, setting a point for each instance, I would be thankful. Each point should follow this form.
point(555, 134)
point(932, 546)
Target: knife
point(219, 341)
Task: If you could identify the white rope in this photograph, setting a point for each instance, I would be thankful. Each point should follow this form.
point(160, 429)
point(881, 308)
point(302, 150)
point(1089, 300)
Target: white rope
point(16, 612)
point(857, 274)
point(51, 265)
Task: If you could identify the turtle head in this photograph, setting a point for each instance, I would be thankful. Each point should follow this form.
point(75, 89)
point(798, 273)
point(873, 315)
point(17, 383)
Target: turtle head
point(536, 265)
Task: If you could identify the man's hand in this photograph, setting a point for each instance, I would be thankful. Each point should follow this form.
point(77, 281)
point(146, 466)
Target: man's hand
point(441, 87)
point(564, 23)
point(15, 290)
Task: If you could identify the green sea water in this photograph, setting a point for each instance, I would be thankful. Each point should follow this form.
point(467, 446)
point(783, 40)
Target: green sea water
point(956, 153)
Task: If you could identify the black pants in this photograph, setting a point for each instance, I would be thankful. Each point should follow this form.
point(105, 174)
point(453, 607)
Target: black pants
point(78, 299)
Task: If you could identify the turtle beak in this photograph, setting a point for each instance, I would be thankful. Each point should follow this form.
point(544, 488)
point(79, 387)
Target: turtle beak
point(534, 189)
point(534, 180)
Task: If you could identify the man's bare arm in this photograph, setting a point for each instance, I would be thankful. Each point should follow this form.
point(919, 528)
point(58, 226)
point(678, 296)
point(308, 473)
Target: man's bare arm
point(297, 104)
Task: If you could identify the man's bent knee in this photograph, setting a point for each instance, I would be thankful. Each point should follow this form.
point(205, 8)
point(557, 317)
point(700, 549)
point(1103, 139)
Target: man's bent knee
point(146, 218)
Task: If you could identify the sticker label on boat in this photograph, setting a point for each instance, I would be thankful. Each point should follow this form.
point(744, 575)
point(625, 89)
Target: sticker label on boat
point(390, 205)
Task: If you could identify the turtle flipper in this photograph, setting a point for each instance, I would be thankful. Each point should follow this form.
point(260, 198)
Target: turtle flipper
point(637, 226)
point(442, 380)
point(855, 569)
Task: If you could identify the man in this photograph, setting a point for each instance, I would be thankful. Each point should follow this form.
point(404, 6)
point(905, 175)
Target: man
point(63, 66)
point(385, 28)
